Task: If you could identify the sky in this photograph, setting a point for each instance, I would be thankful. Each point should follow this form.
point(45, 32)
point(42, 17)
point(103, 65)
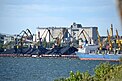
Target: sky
point(18, 15)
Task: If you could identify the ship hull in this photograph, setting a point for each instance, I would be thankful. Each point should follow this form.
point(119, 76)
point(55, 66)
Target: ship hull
point(109, 57)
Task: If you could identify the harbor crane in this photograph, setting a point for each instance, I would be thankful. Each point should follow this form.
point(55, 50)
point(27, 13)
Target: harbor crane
point(57, 39)
point(99, 41)
point(60, 36)
point(21, 38)
point(109, 41)
point(84, 34)
point(118, 42)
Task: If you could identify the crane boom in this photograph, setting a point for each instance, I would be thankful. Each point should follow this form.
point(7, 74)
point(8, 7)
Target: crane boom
point(43, 33)
point(99, 42)
point(83, 32)
point(117, 35)
point(109, 40)
point(118, 40)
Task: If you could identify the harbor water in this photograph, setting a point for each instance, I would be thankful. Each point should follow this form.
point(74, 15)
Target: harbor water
point(42, 69)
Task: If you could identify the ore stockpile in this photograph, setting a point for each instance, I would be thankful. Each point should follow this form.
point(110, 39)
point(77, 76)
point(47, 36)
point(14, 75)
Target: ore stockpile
point(66, 50)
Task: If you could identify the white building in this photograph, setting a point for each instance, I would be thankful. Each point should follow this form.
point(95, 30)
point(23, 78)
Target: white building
point(50, 33)
point(78, 32)
point(8, 38)
point(74, 32)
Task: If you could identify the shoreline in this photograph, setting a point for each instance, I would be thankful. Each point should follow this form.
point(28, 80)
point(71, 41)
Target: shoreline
point(55, 56)
point(38, 56)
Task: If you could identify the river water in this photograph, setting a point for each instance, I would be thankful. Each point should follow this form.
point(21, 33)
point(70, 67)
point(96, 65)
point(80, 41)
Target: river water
point(42, 69)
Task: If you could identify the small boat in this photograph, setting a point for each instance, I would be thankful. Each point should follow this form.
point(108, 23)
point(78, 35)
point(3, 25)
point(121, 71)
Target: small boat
point(34, 56)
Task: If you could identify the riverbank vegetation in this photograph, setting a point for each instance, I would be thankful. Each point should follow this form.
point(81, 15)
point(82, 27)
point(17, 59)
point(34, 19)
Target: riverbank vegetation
point(102, 72)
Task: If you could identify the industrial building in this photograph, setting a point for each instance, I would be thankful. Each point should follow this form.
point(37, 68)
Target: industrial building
point(50, 32)
point(73, 33)
point(8, 38)
point(6, 41)
point(84, 33)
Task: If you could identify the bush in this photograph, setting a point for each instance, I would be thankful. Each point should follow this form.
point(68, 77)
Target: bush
point(120, 59)
point(103, 72)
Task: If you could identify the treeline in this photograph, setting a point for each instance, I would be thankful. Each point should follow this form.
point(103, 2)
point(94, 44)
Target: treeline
point(102, 72)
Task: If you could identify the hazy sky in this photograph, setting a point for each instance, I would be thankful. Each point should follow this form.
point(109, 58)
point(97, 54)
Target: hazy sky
point(17, 15)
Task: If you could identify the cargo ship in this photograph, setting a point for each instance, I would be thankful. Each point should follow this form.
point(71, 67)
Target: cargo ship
point(88, 53)
point(109, 48)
